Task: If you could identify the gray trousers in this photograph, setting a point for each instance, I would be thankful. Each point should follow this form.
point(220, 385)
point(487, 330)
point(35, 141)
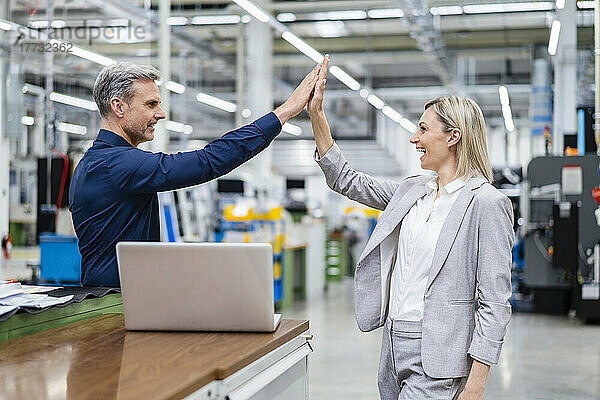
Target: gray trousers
point(401, 375)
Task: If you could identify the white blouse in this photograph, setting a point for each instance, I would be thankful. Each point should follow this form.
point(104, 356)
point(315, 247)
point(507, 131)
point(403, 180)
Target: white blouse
point(419, 234)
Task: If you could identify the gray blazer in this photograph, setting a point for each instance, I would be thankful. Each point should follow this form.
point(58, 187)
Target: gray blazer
point(466, 301)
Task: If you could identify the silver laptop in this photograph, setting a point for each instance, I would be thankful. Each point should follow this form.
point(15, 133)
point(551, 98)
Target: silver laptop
point(197, 286)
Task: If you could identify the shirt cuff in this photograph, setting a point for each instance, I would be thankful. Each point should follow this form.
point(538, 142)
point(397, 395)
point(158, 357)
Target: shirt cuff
point(488, 363)
point(332, 155)
point(269, 125)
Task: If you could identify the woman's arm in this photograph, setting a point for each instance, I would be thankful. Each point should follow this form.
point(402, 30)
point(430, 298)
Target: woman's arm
point(321, 131)
point(494, 289)
point(317, 114)
point(475, 382)
point(339, 175)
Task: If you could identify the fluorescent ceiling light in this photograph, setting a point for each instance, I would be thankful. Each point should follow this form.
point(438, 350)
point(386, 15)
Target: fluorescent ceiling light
point(408, 125)
point(292, 129)
point(344, 77)
point(302, 46)
point(286, 17)
point(510, 125)
point(586, 4)
point(83, 53)
point(392, 114)
point(175, 87)
point(179, 127)
point(253, 10)
point(216, 102)
point(177, 21)
point(503, 92)
point(89, 55)
point(386, 13)
point(71, 128)
point(34, 90)
point(364, 93)
point(506, 111)
point(96, 22)
point(446, 10)
point(337, 15)
point(560, 4)
point(331, 28)
point(25, 120)
point(4, 25)
point(119, 22)
point(37, 24)
point(375, 101)
point(216, 19)
point(554, 35)
point(73, 101)
point(508, 120)
point(40, 24)
point(508, 7)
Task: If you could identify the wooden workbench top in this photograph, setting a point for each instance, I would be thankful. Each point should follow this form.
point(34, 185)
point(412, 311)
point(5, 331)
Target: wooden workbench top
point(98, 358)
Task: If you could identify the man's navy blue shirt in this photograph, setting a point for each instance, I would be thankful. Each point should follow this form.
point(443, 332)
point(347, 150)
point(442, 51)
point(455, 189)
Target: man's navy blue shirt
point(113, 193)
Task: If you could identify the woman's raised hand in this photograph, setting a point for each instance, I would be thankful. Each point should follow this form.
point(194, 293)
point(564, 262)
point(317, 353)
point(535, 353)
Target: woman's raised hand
point(299, 98)
point(318, 121)
point(315, 102)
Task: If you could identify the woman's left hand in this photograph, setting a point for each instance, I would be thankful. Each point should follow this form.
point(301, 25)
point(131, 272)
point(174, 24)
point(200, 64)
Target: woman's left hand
point(315, 102)
point(475, 382)
point(471, 394)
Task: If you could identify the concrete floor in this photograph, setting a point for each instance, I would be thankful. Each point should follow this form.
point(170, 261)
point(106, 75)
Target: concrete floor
point(544, 357)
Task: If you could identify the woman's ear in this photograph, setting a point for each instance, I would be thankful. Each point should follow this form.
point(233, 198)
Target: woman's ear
point(454, 137)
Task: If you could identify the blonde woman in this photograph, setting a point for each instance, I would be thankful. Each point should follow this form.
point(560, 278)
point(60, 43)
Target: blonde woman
point(435, 273)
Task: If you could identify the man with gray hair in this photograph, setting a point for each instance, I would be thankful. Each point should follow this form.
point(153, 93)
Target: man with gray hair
point(113, 192)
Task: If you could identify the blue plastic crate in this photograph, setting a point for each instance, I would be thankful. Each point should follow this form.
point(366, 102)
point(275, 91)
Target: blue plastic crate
point(278, 290)
point(60, 260)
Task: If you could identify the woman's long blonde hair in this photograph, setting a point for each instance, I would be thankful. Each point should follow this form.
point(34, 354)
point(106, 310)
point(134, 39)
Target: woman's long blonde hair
point(471, 150)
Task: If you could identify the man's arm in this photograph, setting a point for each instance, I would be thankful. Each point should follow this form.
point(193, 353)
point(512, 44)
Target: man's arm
point(139, 171)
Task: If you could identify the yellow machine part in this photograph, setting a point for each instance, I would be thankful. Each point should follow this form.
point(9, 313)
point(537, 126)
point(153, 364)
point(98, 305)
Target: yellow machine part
point(369, 212)
point(273, 214)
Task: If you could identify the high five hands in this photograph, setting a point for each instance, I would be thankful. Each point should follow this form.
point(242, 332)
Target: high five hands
point(297, 101)
point(309, 93)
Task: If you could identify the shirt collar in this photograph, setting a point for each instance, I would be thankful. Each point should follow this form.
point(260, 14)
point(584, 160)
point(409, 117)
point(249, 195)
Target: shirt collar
point(431, 185)
point(112, 138)
point(449, 188)
point(455, 185)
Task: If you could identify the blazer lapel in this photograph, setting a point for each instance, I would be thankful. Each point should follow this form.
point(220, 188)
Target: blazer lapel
point(451, 227)
point(391, 217)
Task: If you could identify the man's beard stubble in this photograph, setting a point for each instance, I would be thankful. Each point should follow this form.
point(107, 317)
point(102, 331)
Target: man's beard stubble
point(136, 135)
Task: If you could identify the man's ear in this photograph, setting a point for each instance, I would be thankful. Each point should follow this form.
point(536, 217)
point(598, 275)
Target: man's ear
point(117, 106)
point(454, 137)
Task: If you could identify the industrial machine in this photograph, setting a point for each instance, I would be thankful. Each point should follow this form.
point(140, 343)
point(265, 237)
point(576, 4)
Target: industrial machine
point(560, 234)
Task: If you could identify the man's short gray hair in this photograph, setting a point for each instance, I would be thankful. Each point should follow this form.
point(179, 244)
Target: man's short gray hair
point(116, 80)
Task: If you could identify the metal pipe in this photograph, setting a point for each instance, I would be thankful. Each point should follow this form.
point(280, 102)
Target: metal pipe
point(240, 81)
point(49, 55)
point(51, 139)
point(161, 142)
point(4, 145)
